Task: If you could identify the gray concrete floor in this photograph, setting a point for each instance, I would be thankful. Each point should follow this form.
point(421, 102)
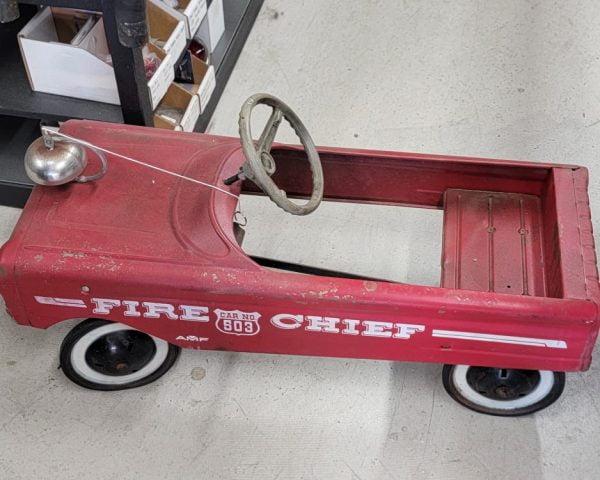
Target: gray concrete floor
point(511, 79)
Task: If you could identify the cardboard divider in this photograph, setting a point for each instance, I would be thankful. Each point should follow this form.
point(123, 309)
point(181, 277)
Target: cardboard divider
point(168, 29)
point(70, 23)
point(204, 81)
point(192, 12)
point(164, 75)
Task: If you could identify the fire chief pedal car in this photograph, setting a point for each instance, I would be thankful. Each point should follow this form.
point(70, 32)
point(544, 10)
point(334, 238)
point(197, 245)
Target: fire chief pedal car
point(149, 251)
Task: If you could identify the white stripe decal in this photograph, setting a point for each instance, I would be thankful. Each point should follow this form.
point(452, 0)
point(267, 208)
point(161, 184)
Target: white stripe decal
point(488, 337)
point(61, 302)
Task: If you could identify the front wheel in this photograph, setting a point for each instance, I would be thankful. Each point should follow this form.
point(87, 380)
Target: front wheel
point(103, 355)
point(502, 391)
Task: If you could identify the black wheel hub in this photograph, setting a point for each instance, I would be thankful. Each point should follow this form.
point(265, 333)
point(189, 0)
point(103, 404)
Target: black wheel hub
point(502, 383)
point(120, 353)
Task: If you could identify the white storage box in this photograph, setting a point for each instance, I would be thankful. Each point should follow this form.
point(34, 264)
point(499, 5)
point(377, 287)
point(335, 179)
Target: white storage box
point(62, 68)
point(185, 102)
point(192, 12)
point(81, 70)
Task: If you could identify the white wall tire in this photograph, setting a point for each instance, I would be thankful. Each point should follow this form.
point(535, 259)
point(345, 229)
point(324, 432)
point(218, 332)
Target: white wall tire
point(103, 355)
point(503, 392)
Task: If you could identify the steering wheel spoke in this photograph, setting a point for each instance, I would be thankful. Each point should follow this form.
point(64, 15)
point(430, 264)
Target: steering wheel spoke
point(265, 142)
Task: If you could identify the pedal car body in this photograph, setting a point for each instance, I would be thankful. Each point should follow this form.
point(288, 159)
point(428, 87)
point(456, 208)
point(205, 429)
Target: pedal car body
point(519, 286)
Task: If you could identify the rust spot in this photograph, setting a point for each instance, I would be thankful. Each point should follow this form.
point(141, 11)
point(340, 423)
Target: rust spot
point(370, 286)
point(68, 254)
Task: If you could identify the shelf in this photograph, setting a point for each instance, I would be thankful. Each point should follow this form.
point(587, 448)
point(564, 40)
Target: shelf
point(21, 109)
point(94, 5)
point(239, 18)
point(16, 97)
point(16, 134)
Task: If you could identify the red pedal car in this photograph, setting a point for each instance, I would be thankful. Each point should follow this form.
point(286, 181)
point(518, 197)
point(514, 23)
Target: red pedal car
point(154, 261)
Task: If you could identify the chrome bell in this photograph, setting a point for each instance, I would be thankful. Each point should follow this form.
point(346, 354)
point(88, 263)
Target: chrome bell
point(62, 163)
point(50, 161)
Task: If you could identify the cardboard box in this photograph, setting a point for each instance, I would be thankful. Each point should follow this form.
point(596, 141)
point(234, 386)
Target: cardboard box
point(206, 88)
point(72, 25)
point(83, 70)
point(186, 102)
point(204, 82)
point(164, 27)
point(192, 12)
point(213, 26)
point(162, 78)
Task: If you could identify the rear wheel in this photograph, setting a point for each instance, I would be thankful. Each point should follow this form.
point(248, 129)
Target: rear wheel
point(103, 355)
point(502, 391)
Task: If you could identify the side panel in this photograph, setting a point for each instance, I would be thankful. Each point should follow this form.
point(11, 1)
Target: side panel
point(10, 265)
point(8, 288)
point(401, 178)
point(303, 315)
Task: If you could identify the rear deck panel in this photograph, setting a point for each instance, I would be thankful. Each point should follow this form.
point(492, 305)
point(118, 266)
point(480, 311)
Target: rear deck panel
point(493, 242)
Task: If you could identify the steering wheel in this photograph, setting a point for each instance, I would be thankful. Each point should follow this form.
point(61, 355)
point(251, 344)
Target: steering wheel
point(259, 164)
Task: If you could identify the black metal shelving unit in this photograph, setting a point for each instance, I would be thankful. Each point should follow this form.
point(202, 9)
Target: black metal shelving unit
point(15, 136)
point(21, 109)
